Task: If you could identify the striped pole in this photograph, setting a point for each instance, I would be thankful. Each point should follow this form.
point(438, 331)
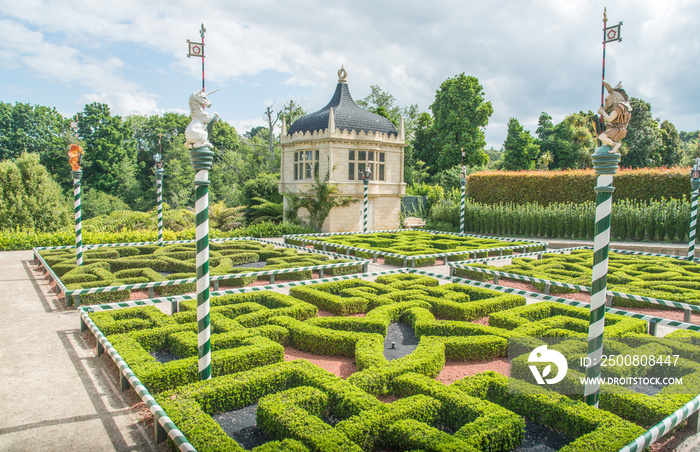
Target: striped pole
point(605, 166)
point(159, 197)
point(364, 206)
point(463, 183)
point(201, 159)
point(695, 186)
point(693, 225)
point(77, 175)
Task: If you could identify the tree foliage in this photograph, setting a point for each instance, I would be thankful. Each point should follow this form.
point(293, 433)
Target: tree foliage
point(671, 151)
point(460, 114)
point(291, 111)
point(29, 197)
point(643, 139)
point(566, 145)
point(519, 150)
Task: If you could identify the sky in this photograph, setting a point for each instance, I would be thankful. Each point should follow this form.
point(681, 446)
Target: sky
point(530, 56)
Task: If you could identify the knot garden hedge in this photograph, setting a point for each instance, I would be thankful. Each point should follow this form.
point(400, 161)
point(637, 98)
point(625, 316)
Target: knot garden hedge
point(302, 407)
point(110, 273)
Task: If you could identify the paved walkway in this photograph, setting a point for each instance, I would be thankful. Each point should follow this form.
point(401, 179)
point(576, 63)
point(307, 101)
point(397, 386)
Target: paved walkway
point(56, 394)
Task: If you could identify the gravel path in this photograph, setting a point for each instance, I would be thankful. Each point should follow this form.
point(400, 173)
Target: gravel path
point(539, 438)
point(242, 427)
point(400, 341)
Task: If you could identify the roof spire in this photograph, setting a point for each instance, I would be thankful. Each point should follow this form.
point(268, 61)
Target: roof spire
point(342, 75)
point(331, 121)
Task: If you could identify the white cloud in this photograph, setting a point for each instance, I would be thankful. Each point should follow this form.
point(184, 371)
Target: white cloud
point(125, 103)
point(530, 56)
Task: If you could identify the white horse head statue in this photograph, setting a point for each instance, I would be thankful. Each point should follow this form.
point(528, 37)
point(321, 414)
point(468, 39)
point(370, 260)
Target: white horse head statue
point(197, 132)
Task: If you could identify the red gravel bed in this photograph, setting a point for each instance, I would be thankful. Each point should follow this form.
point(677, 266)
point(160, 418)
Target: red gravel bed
point(454, 371)
point(671, 314)
point(341, 366)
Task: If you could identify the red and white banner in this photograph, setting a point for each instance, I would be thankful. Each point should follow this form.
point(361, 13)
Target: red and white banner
point(613, 33)
point(195, 49)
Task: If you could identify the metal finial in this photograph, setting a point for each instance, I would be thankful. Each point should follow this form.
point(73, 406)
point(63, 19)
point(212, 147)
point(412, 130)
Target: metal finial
point(202, 31)
point(605, 14)
point(342, 75)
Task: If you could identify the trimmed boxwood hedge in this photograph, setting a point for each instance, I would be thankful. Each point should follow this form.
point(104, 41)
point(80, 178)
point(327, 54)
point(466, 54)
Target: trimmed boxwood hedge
point(406, 244)
point(575, 186)
point(303, 407)
point(116, 266)
point(593, 428)
point(477, 423)
point(661, 277)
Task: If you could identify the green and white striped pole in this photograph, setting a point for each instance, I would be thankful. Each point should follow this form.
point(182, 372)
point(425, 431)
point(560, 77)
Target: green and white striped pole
point(605, 166)
point(77, 175)
point(201, 159)
point(463, 183)
point(159, 195)
point(695, 186)
point(365, 176)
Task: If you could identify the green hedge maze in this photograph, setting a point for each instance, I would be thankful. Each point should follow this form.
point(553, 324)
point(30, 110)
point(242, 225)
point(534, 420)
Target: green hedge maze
point(658, 277)
point(111, 273)
point(259, 400)
point(414, 248)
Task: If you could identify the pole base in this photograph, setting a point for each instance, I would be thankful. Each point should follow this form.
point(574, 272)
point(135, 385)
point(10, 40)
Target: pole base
point(604, 162)
point(202, 158)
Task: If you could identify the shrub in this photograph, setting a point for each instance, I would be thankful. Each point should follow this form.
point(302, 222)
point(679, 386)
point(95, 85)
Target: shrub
point(30, 200)
point(575, 186)
point(593, 429)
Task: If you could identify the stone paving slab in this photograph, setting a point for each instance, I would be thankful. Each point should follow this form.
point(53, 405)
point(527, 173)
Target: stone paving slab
point(55, 393)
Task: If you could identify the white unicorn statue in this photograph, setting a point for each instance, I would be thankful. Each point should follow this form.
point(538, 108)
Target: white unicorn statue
point(198, 131)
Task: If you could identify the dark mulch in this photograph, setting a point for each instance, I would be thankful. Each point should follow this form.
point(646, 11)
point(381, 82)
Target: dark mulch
point(164, 356)
point(259, 264)
point(403, 338)
point(539, 438)
point(241, 426)
point(647, 389)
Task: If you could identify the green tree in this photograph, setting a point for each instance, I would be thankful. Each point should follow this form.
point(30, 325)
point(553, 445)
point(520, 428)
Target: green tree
point(643, 139)
point(106, 146)
point(146, 132)
point(96, 203)
point(39, 130)
point(35, 129)
point(178, 181)
point(671, 150)
point(519, 149)
point(690, 143)
point(425, 145)
point(460, 113)
point(291, 111)
point(381, 103)
point(566, 144)
point(29, 197)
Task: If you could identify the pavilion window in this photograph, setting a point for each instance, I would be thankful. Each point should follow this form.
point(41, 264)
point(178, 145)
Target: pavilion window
point(359, 160)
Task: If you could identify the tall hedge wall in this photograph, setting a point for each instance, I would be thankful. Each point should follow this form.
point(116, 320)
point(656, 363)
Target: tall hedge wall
point(576, 186)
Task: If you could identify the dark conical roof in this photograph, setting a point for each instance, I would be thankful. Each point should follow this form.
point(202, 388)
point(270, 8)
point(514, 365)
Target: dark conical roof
point(348, 116)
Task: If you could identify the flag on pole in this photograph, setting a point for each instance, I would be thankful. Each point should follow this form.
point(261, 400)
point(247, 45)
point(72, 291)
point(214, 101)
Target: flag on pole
point(612, 33)
point(195, 49)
